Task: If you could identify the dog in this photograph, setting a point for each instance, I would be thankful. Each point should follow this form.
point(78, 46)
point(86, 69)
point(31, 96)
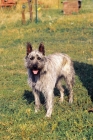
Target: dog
point(46, 72)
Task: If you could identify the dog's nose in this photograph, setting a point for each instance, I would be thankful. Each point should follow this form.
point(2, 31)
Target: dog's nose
point(35, 66)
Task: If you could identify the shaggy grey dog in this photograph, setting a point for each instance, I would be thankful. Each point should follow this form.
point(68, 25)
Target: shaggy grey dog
point(46, 72)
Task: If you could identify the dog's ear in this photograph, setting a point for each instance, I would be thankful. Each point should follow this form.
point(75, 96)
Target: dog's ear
point(41, 48)
point(28, 48)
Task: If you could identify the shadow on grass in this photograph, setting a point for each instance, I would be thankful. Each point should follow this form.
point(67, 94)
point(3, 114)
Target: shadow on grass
point(85, 73)
point(28, 95)
point(57, 92)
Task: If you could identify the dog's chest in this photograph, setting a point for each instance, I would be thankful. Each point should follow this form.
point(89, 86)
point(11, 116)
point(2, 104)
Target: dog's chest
point(38, 86)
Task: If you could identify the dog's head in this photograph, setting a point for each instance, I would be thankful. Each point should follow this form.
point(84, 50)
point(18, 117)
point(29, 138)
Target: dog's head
point(35, 59)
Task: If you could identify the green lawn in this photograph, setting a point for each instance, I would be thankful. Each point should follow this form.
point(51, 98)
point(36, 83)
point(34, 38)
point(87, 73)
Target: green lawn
point(70, 34)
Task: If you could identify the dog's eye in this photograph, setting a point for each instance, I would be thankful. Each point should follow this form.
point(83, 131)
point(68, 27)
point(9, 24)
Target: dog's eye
point(38, 58)
point(32, 58)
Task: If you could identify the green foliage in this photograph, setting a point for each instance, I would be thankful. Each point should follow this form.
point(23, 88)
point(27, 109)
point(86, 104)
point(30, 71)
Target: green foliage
point(73, 35)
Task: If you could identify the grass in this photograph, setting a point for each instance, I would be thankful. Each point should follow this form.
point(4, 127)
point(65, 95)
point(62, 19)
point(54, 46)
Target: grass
point(73, 35)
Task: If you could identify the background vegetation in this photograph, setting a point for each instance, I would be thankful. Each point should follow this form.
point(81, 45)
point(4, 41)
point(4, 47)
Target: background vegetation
point(70, 34)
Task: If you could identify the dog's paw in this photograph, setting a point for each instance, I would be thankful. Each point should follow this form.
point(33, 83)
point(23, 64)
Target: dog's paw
point(36, 110)
point(61, 100)
point(70, 100)
point(48, 116)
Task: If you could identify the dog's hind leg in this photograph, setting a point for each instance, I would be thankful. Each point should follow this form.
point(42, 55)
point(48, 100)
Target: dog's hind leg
point(60, 88)
point(70, 82)
point(70, 93)
point(37, 101)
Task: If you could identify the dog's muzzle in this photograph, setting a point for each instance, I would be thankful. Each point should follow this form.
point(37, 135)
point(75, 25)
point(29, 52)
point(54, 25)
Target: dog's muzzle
point(35, 69)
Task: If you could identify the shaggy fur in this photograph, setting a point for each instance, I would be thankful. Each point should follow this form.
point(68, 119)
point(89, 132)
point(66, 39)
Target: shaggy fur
point(46, 72)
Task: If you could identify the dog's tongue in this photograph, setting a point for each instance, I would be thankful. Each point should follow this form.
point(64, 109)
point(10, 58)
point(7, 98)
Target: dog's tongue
point(35, 71)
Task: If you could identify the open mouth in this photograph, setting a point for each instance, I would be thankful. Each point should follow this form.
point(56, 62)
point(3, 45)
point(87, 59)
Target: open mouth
point(35, 72)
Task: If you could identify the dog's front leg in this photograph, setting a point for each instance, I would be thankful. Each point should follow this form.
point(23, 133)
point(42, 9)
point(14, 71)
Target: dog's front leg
point(49, 103)
point(37, 101)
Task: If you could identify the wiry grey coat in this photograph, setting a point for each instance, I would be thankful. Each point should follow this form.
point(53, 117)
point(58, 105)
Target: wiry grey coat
point(46, 72)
